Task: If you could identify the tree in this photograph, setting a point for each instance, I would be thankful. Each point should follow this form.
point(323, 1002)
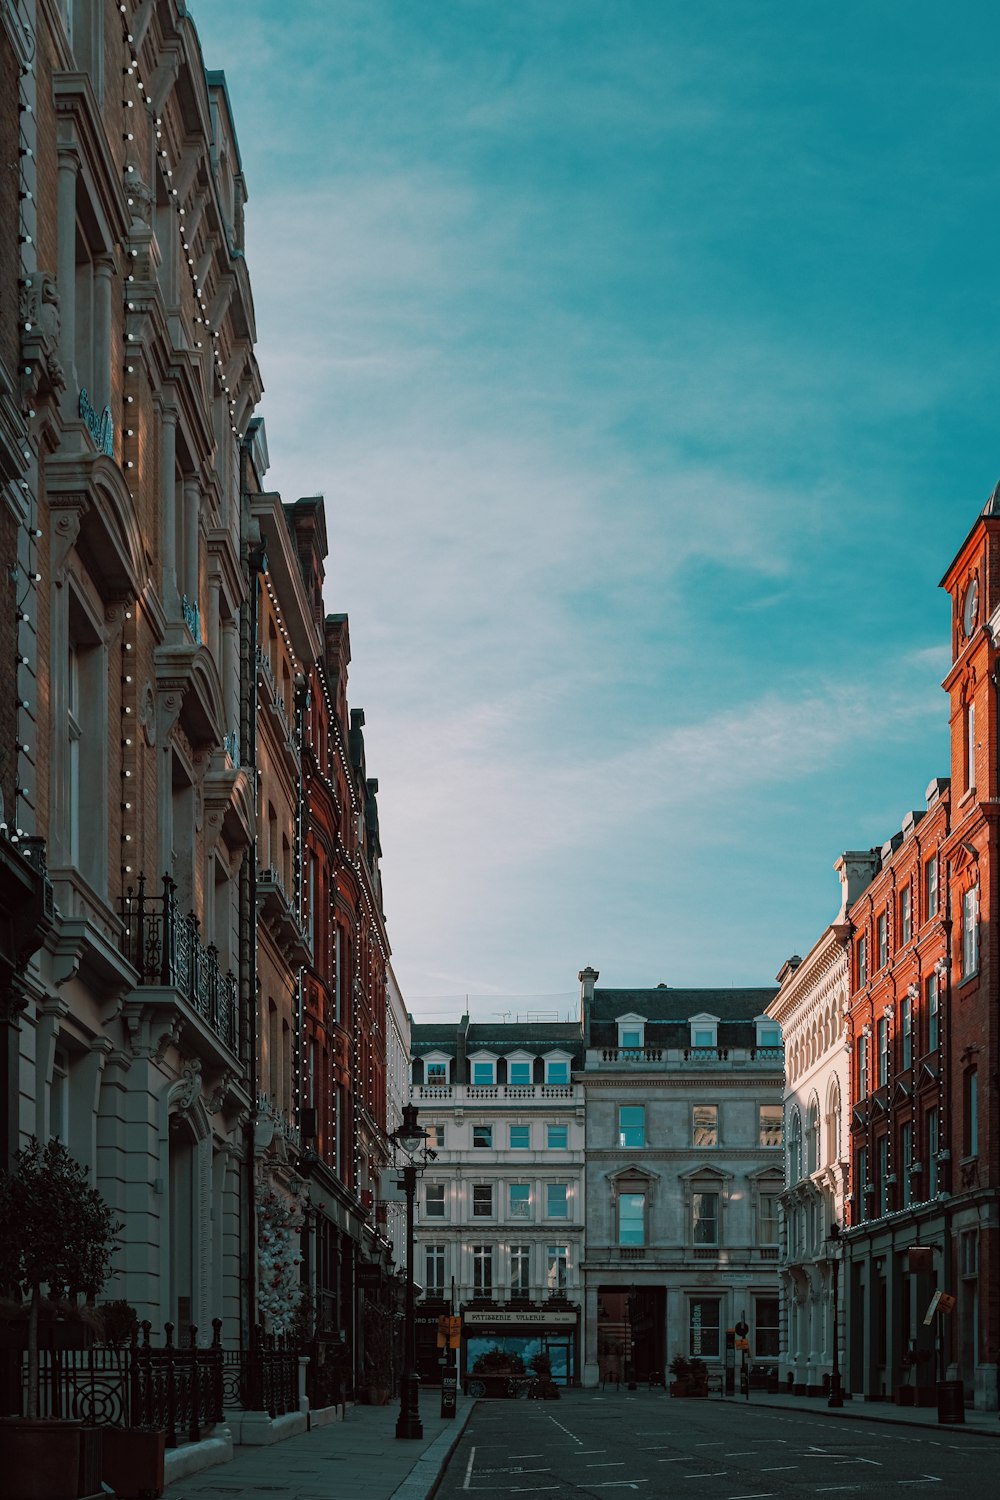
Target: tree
point(55, 1231)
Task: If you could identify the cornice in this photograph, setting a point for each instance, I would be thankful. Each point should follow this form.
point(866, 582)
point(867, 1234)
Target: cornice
point(686, 1082)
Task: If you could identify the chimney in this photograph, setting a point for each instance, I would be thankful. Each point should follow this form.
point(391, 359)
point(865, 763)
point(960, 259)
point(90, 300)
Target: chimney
point(856, 868)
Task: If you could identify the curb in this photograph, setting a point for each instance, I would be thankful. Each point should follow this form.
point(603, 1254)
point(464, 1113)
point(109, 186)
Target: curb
point(861, 1415)
point(428, 1471)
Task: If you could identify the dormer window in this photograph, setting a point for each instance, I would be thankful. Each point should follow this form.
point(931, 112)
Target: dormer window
point(631, 1032)
point(520, 1070)
point(704, 1031)
point(557, 1069)
point(484, 1071)
point(768, 1032)
point(436, 1072)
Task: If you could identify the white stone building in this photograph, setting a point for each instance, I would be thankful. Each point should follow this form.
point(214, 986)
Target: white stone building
point(500, 1208)
point(810, 1008)
point(683, 1171)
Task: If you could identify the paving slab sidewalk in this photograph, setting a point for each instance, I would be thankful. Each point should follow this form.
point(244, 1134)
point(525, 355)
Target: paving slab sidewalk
point(983, 1423)
point(359, 1458)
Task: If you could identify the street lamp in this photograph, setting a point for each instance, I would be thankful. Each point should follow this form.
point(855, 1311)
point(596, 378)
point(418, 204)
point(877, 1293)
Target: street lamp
point(835, 1397)
point(410, 1139)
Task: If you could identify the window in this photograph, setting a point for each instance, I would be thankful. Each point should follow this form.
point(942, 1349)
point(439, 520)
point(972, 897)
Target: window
point(520, 1200)
point(862, 1066)
point(970, 932)
point(766, 1343)
point(631, 1218)
point(905, 923)
point(433, 1200)
point(932, 1013)
point(482, 1200)
point(482, 1270)
point(436, 1073)
point(557, 1137)
point(704, 1327)
point(705, 1218)
point(703, 1036)
point(833, 1125)
point(931, 886)
point(794, 1146)
point(768, 1034)
point(482, 1137)
point(483, 1074)
point(970, 747)
point(519, 1074)
point(812, 1138)
point(932, 1153)
point(631, 1126)
point(435, 1137)
point(882, 940)
point(556, 1200)
point(520, 1270)
point(520, 1137)
point(557, 1071)
point(769, 1127)
point(861, 1183)
point(434, 1270)
point(970, 1121)
point(905, 1163)
point(631, 1032)
point(906, 1030)
point(705, 1124)
point(862, 961)
point(883, 1174)
point(556, 1267)
point(767, 1219)
point(883, 1051)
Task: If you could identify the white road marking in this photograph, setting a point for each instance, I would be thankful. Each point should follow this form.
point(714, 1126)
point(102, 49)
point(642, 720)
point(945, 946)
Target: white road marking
point(682, 1460)
point(618, 1484)
point(617, 1463)
point(762, 1495)
point(468, 1469)
point(714, 1475)
point(715, 1443)
point(739, 1453)
point(512, 1456)
point(566, 1431)
point(829, 1489)
point(778, 1468)
point(927, 1479)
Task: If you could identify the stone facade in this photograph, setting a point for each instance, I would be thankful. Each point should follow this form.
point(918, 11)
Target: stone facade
point(683, 1164)
point(811, 1009)
point(501, 1216)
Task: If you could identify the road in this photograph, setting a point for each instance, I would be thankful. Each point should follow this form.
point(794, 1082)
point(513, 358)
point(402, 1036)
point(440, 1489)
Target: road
point(614, 1445)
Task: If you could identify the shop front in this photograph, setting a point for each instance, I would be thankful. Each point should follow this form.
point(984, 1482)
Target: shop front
point(489, 1335)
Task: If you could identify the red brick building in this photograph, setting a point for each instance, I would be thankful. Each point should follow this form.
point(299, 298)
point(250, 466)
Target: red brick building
point(924, 1030)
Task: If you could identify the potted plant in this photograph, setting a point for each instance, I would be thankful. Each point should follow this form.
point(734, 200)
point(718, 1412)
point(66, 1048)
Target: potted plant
point(496, 1373)
point(543, 1387)
point(680, 1369)
point(698, 1378)
point(56, 1231)
point(132, 1458)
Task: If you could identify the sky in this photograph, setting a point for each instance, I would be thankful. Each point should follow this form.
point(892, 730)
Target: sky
point(646, 356)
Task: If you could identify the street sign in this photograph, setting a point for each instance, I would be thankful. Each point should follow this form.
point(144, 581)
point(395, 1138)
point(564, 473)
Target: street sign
point(940, 1302)
point(449, 1335)
point(743, 1344)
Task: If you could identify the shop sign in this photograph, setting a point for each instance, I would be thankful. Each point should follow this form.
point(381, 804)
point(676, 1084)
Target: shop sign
point(496, 1319)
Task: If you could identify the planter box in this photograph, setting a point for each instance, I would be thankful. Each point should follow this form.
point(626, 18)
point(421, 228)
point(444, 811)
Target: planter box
point(132, 1462)
point(40, 1460)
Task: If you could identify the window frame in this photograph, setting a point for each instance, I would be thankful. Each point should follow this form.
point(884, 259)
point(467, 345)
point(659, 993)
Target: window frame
point(931, 887)
point(510, 1138)
point(632, 1137)
point(702, 1144)
point(554, 1187)
point(970, 932)
point(522, 1190)
point(552, 1129)
point(428, 1211)
point(701, 1222)
point(482, 1128)
point(483, 1200)
point(641, 1198)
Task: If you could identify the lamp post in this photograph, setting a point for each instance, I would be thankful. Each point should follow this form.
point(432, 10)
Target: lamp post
point(409, 1138)
point(835, 1397)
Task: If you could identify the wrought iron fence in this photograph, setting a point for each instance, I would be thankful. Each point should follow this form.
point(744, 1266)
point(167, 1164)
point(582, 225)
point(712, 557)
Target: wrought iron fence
point(134, 1385)
point(264, 1378)
point(167, 951)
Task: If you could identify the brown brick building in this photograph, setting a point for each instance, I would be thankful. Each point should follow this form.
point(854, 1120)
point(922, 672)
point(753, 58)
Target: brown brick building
point(924, 1033)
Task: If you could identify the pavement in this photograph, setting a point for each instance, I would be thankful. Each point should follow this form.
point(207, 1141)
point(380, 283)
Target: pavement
point(361, 1458)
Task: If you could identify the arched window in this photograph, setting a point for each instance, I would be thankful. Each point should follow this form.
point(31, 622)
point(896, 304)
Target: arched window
point(833, 1123)
point(794, 1146)
point(812, 1137)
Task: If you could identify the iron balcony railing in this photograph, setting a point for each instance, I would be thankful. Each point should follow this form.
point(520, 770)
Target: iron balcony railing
point(166, 950)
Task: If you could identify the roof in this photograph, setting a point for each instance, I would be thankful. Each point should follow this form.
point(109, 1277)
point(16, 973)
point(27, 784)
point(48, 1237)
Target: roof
point(513, 1036)
point(667, 1004)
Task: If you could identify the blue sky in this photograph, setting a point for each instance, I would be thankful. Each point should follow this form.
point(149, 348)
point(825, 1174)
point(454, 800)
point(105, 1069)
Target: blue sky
point(646, 355)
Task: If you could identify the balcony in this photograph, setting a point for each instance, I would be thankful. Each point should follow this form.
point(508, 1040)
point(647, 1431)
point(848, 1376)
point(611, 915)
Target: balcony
point(167, 952)
point(676, 1059)
point(278, 915)
point(497, 1093)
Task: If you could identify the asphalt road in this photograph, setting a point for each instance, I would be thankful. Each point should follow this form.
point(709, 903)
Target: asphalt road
point(614, 1445)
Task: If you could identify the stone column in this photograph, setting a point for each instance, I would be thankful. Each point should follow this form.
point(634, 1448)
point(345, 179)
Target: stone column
point(168, 428)
point(69, 166)
point(100, 396)
point(191, 509)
